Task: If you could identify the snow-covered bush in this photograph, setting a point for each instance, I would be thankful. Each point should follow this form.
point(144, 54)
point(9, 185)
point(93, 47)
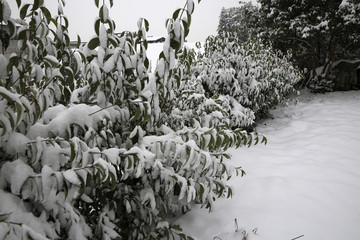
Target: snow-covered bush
point(250, 77)
point(91, 145)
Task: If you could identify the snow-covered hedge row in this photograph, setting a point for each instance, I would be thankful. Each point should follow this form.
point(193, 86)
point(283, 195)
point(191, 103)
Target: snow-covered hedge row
point(249, 77)
point(95, 146)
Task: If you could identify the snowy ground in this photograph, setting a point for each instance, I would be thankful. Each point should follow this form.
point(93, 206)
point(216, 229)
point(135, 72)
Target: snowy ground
point(305, 183)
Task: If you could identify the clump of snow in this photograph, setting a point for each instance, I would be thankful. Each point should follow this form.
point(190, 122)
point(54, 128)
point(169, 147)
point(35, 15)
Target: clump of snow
point(10, 203)
point(16, 144)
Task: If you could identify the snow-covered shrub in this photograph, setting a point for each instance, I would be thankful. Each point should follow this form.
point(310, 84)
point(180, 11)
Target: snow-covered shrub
point(251, 77)
point(91, 144)
point(318, 84)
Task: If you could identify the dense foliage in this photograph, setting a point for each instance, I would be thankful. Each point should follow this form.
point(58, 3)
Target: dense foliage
point(95, 146)
point(318, 32)
point(249, 78)
point(244, 20)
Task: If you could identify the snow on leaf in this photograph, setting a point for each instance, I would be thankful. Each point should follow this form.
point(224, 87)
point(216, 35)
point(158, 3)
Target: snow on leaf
point(105, 13)
point(190, 6)
point(113, 155)
point(103, 37)
point(191, 194)
point(86, 198)
point(109, 64)
point(47, 181)
point(148, 195)
point(71, 177)
point(15, 174)
point(183, 188)
point(128, 206)
point(6, 11)
point(162, 224)
point(106, 168)
point(51, 60)
point(28, 231)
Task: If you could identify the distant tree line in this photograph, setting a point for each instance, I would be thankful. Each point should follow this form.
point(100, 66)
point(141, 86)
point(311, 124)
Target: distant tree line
point(319, 33)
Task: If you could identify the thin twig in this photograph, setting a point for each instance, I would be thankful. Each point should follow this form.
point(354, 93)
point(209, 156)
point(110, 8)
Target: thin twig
point(102, 109)
point(12, 223)
point(298, 237)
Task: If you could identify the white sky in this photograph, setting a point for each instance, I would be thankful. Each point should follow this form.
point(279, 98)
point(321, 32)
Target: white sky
point(125, 13)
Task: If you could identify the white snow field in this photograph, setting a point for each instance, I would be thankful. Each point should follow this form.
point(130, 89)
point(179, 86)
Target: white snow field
point(304, 184)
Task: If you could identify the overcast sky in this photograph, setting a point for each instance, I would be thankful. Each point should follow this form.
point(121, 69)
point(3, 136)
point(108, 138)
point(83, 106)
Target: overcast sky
point(125, 13)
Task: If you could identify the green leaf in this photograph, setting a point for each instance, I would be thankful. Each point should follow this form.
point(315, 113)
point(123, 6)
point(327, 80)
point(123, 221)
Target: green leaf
point(23, 10)
point(3, 126)
point(202, 190)
point(36, 5)
point(250, 141)
point(97, 3)
point(113, 180)
point(78, 42)
point(186, 31)
point(12, 28)
point(176, 13)
point(146, 63)
point(229, 193)
point(129, 163)
point(227, 156)
point(113, 41)
point(72, 151)
point(264, 140)
point(111, 26)
point(218, 142)
point(137, 115)
point(67, 93)
point(177, 189)
point(18, 2)
point(256, 140)
point(67, 39)
point(19, 112)
point(46, 13)
point(188, 19)
point(111, 3)
point(244, 138)
point(101, 13)
point(176, 227)
point(146, 25)
point(93, 87)
point(192, 7)
point(93, 43)
point(52, 61)
point(70, 78)
point(209, 131)
point(5, 38)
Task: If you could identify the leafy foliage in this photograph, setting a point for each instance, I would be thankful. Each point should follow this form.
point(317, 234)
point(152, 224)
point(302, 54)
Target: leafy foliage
point(318, 32)
point(244, 20)
point(93, 144)
point(249, 77)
